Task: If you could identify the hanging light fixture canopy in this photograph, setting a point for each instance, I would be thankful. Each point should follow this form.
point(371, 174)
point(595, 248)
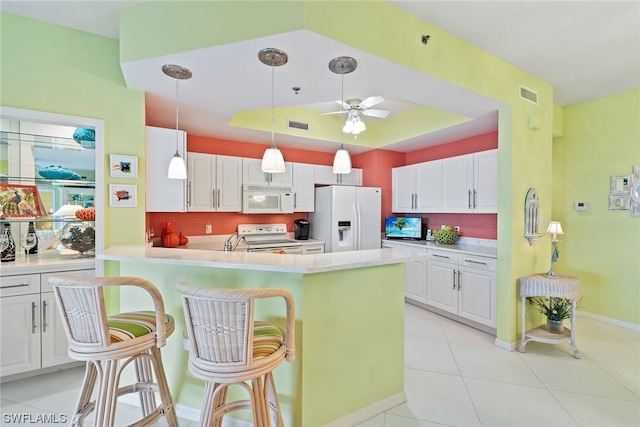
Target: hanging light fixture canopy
point(177, 167)
point(342, 161)
point(272, 160)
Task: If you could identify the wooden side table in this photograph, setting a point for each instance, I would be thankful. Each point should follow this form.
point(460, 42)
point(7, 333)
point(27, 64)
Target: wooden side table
point(567, 287)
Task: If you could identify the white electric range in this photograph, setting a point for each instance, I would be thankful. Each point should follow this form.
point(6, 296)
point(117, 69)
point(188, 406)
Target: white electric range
point(268, 238)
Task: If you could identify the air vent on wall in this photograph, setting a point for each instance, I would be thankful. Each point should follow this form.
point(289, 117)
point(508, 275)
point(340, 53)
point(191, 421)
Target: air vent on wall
point(528, 95)
point(298, 125)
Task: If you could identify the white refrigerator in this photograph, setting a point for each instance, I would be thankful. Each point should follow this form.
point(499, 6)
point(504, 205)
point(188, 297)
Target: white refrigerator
point(347, 218)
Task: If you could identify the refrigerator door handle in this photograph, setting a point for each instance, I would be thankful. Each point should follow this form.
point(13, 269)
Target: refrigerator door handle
point(358, 227)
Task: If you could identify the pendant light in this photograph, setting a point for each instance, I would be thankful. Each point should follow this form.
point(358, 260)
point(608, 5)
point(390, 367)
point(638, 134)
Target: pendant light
point(342, 65)
point(177, 167)
point(272, 160)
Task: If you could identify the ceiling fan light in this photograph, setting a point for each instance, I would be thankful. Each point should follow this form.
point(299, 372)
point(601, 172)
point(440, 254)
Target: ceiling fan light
point(358, 127)
point(342, 161)
point(177, 168)
point(348, 126)
point(272, 160)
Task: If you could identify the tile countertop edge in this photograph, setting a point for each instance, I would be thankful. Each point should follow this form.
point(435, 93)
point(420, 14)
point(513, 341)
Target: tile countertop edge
point(303, 264)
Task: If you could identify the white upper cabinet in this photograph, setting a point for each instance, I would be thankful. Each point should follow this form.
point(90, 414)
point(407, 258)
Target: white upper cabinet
point(470, 183)
point(303, 187)
point(164, 194)
point(252, 174)
point(324, 176)
point(214, 183)
point(417, 188)
point(485, 181)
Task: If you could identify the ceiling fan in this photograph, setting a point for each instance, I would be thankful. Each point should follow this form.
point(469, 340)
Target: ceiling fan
point(356, 108)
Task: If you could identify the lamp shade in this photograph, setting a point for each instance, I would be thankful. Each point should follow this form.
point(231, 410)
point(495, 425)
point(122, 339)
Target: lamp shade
point(555, 228)
point(67, 210)
point(342, 161)
point(177, 168)
point(272, 160)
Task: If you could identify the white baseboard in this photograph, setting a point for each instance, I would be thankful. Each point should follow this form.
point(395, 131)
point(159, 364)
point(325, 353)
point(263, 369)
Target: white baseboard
point(627, 325)
point(370, 411)
point(506, 345)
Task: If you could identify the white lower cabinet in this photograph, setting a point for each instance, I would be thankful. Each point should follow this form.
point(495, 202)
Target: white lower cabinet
point(31, 330)
point(415, 271)
point(464, 285)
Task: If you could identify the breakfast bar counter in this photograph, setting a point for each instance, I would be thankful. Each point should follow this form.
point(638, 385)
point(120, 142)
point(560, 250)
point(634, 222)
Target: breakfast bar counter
point(349, 323)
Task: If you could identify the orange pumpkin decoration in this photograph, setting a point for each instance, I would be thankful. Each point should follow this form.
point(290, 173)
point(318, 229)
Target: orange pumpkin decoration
point(171, 240)
point(183, 239)
point(87, 214)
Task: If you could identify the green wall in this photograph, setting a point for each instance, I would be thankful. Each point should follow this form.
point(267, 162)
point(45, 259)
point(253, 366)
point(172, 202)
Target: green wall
point(601, 246)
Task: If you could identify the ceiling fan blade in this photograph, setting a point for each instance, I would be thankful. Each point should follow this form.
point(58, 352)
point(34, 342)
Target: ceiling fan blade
point(335, 112)
point(344, 105)
point(371, 101)
point(376, 113)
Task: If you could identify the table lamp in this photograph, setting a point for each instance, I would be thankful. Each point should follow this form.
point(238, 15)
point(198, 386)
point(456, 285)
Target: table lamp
point(554, 229)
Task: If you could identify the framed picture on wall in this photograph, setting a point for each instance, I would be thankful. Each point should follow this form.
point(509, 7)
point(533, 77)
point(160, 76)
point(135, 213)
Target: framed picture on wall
point(122, 166)
point(123, 196)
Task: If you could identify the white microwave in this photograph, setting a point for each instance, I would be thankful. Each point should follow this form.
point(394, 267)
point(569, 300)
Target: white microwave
point(266, 200)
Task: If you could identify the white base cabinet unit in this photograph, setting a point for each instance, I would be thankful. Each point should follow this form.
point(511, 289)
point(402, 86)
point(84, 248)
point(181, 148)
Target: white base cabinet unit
point(462, 284)
point(214, 183)
point(31, 330)
point(470, 183)
point(164, 194)
point(415, 271)
point(324, 176)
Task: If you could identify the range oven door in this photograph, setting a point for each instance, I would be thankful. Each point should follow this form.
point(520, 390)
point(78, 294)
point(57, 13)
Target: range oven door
point(283, 250)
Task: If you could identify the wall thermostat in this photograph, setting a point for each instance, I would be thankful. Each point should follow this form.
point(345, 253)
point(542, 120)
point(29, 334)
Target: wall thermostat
point(581, 206)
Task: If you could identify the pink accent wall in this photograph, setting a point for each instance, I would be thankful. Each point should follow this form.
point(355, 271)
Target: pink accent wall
point(376, 166)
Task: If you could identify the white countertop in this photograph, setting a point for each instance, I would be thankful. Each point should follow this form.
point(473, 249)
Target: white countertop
point(316, 263)
point(482, 247)
point(49, 261)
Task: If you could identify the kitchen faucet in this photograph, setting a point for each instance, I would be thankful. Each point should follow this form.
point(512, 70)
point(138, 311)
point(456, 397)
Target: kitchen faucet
point(227, 243)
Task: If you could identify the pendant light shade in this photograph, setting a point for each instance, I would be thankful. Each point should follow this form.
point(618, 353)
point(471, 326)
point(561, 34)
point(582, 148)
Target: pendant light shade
point(272, 160)
point(342, 161)
point(177, 166)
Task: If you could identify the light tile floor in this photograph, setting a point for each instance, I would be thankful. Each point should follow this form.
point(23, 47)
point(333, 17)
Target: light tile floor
point(455, 376)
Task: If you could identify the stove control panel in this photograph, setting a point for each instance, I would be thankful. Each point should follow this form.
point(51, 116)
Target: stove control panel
point(261, 229)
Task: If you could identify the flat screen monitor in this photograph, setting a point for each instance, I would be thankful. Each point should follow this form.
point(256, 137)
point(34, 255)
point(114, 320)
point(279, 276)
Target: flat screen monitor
point(399, 227)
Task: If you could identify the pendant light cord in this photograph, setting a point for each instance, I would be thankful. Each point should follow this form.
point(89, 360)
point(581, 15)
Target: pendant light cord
point(273, 102)
point(342, 101)
point(177, 104)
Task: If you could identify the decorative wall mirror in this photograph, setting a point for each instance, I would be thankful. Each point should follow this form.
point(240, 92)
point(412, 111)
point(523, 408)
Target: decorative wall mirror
point(625, 192)
point(532, 217)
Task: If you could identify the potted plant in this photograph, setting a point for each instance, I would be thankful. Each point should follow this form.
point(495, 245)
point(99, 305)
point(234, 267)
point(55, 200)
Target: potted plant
point(556, 310)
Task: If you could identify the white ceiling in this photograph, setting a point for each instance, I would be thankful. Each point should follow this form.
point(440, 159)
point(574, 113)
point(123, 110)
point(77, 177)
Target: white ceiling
point(586, 49)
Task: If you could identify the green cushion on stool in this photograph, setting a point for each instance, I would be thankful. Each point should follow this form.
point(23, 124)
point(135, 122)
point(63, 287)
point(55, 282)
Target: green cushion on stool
point(267, 339)
point(126, 326)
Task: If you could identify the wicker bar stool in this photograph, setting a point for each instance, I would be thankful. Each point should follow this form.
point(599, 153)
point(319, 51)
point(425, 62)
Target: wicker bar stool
point(227, 346)
point(108, 344)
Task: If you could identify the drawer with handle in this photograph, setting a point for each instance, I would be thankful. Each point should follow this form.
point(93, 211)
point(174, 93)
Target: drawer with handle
point(443, 256)
point(478, 262)
point(21, 284)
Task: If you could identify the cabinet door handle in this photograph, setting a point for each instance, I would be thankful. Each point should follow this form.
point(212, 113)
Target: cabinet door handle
point(14, 286)
point(454, 278)
point(33, 317)
point(218, 198)
point(475, 205)
point(416, 207)
point(476, 262)
point(189, 193)
point(469, 199)
point(440, 256)
point(295, 200)
point(213, 197)
point(459, 283)
point(44, 316)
